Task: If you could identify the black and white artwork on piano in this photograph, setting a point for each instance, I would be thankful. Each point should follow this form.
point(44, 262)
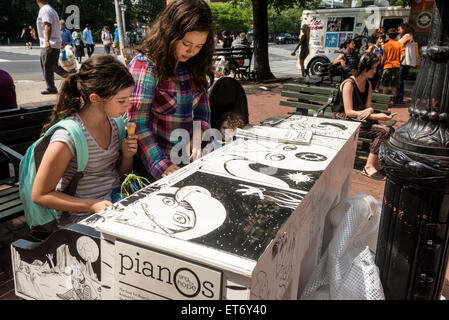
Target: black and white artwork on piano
point(66, 266)
point(282, 165)
point(320, 126)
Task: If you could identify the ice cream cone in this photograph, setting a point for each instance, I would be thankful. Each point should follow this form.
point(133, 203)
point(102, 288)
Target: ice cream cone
point(131, 128)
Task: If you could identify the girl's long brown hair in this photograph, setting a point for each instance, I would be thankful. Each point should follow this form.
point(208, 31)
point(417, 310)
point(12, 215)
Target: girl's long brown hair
point(178, 18)
point(102, 74)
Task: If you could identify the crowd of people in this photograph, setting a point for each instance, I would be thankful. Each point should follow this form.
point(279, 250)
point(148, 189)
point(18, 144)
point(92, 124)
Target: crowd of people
point(397, 53)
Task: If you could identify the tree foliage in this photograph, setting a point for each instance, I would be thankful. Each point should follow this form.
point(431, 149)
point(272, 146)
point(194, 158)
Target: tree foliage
point(231, 17)
point(98, 13)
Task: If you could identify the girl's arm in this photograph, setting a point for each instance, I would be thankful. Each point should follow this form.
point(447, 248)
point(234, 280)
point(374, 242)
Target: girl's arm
point(341, 59)
point(299, 43)
point(145, 83)
point(201, 122)
point(129, 149)
point(53, 165)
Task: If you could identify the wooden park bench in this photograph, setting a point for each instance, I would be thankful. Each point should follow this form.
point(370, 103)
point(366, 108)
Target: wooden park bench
point(238, 59)
point(329, 71)
point(20, 128)
point(318, 101)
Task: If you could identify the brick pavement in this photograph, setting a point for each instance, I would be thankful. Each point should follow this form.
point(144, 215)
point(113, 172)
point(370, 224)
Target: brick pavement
point(261, 104)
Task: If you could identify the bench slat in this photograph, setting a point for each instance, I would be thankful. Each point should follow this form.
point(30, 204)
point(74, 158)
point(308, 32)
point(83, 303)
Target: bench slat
point(11, 211)
point(12, 196)
point(10, 204)
point(305, 97)
point(308, 89)
point(8, 191)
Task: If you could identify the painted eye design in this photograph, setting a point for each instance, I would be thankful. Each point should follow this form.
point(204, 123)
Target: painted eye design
point(180, 218)
point(311, 156)
point(168, 201)
point(275, 157)
point(289, 148)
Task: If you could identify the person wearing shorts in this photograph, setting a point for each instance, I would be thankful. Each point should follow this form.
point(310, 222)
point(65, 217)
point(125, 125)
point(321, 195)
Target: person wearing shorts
point(390, 78)
point(393, 55)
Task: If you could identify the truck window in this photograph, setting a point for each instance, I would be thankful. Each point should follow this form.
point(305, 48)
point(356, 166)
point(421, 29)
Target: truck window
point(392, 23)
point(347, 24)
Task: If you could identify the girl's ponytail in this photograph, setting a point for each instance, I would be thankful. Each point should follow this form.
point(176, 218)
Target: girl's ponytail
point(69, 101)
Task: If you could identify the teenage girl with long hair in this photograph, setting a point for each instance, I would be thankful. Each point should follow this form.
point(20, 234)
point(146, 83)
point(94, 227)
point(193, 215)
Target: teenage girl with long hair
point(92, 97)
point(172, 73)
point(355, 99)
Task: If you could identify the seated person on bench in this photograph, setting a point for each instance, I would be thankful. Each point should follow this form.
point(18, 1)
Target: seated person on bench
point(355, 102)
point(347, 59)
point(240, 42)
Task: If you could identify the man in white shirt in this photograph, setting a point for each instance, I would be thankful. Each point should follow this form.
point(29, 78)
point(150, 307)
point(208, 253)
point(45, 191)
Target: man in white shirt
point(87, 35)
point(48, 30)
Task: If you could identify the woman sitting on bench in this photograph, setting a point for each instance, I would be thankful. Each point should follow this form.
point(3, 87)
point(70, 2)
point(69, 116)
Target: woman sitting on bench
point(355, 102)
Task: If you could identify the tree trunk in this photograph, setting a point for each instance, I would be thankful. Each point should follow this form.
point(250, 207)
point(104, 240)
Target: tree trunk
point(261, 61)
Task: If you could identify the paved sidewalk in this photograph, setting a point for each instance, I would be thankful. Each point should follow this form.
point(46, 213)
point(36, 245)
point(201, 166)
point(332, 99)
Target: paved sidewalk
point(263, 103)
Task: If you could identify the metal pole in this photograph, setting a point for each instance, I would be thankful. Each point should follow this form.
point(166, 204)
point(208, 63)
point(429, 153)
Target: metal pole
point(412, 247)
point(118, 16)
point(123, 9)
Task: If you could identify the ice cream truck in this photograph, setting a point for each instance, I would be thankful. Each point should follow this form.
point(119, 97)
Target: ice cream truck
point(331, 27)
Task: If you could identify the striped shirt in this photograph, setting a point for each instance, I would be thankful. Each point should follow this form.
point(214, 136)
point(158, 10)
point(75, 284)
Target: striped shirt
point(100, 175)
point(158, 107)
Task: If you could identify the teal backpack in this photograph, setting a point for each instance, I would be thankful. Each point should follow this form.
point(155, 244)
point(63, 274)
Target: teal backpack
point(37, 216)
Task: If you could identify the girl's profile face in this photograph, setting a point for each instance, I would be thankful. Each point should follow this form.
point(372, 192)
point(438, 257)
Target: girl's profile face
point(371, 72)
point(190, 45)
point(118, 104)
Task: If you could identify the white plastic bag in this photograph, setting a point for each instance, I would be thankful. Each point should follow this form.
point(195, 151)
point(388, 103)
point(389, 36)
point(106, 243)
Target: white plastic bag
point(346, 270)
point(67, 59)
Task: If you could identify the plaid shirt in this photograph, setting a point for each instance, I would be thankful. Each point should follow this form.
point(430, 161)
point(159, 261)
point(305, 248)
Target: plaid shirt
point(158, 107)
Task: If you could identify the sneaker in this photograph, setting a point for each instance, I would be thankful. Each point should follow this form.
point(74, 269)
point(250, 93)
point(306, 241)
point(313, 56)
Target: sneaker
point(50, 91)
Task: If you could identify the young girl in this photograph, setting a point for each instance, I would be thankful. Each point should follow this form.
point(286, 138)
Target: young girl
point(355, 93)
point(347, 58)
point(377, 49)
point(77, 36)
point(92, 97)
point(171, 81)
point(304, 43)
point(227, 124)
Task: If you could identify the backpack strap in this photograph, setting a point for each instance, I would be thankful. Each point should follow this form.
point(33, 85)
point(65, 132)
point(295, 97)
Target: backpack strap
point(121, 129)
point(79, 139)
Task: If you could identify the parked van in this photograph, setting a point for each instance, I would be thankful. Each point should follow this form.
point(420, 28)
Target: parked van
point(331, 27)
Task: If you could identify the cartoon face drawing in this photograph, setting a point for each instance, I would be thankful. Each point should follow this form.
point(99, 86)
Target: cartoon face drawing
point(183, 213)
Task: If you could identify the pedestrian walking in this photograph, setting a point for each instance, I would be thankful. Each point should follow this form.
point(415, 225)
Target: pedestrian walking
point(304, 44)
point(409, 61)
point(90, 45)
point(116, 44)
point(48, 29)
point(66, 36)
point(106, 38)
point(26, 35)
point(79, 43)
point(172, 74)
point(393, 55)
